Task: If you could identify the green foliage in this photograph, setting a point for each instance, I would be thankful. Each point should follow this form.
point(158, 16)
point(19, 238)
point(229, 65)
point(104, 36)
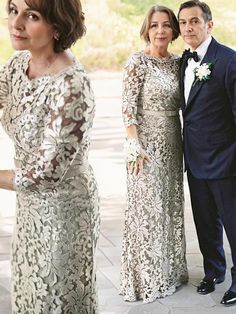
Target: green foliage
point(140, 7)
point(134, 8)
point(113, 30)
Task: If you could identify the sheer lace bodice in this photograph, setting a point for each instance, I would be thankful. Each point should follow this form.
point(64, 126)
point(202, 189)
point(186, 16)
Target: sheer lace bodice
point(49, 119)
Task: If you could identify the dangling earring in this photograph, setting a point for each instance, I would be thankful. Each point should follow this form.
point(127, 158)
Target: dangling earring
point(56, 36)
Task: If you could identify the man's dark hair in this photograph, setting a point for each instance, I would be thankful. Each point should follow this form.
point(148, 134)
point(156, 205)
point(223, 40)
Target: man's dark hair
point(206, 11)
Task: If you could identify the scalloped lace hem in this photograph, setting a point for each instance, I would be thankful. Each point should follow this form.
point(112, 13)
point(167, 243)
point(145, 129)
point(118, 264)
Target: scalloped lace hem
point(131, 297)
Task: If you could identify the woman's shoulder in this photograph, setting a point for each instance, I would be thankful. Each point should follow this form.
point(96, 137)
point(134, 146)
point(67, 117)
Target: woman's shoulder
point(75, 72)
point(174, 56)
point(175, 59)
point(20, 57)
point(137, 56)
point(73, 78)
point(17, 60)
point(135, 60)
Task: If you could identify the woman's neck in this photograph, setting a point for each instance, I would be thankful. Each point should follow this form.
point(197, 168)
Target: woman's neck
point(40, 65)
point(43, 60)
point(159, 52)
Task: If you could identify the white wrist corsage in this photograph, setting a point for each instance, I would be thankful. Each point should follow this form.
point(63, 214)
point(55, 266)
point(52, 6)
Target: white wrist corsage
point(132, 150)
point(203, 72)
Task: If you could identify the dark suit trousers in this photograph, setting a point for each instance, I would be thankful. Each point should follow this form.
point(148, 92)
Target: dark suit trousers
point(214, 206)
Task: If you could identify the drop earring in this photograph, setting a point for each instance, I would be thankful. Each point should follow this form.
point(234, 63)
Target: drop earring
point(56, 36)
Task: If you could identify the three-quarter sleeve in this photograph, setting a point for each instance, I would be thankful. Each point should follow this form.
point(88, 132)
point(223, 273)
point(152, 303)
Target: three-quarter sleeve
point(134, 74)
point(67, 122)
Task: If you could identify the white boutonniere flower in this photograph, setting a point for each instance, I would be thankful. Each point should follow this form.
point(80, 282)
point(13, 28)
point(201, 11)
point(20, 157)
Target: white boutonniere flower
point(203, 72)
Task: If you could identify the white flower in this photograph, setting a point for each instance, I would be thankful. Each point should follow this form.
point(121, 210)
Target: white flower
point(132, 149)
point(203, 72)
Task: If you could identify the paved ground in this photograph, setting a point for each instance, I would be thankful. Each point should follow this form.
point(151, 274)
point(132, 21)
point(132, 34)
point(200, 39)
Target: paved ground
point(108, 162)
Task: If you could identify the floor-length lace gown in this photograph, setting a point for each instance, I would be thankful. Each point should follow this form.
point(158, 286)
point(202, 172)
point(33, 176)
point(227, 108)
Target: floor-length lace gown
point(57, 220)
point(153, 256)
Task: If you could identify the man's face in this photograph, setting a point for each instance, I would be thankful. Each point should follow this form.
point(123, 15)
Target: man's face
point(193, 28)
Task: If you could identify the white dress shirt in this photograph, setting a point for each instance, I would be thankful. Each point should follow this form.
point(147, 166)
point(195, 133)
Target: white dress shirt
point(189, 72)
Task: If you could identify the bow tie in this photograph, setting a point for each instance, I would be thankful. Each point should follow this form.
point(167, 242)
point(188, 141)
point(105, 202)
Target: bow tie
point(187, 54)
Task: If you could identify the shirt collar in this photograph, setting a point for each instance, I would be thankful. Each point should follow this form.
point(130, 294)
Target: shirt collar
point(202, 49)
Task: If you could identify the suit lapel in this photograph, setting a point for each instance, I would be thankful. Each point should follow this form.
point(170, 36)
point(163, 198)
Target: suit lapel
point(208, 58)
point(194, 90)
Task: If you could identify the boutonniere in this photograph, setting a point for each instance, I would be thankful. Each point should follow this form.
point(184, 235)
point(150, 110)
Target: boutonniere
point(202, 72)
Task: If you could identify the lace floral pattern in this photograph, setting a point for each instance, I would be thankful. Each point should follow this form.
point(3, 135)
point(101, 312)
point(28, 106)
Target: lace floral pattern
point(57, 218)
point(153, 256)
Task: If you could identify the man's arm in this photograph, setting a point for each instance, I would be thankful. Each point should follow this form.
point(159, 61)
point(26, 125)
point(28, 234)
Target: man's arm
point(230, 82)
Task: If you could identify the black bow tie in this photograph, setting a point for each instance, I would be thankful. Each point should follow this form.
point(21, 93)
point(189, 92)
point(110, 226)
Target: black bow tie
point(187, 54)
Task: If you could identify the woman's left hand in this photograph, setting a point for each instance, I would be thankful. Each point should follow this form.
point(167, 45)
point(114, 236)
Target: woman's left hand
point(136, 167)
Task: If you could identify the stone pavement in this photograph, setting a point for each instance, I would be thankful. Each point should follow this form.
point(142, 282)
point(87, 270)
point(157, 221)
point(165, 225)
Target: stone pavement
point(108, 161)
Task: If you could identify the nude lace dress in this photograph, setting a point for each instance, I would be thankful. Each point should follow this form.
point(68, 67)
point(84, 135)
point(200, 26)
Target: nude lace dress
point(57, 219)
point(153, 255)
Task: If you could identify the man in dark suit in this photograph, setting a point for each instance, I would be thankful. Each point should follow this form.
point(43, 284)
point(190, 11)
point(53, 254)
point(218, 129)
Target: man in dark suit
point(208, 87)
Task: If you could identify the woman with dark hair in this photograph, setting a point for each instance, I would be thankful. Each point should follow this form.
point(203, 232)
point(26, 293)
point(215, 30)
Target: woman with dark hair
point(153, 257)
point(48, 110)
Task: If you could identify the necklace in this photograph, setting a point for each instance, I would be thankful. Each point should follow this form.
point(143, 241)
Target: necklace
point(161, 56)
point(32, 64)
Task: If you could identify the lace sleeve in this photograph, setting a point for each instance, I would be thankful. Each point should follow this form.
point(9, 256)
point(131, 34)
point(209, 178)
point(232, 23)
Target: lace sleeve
point(3, 86)
point(69, 119)
point(132, 83)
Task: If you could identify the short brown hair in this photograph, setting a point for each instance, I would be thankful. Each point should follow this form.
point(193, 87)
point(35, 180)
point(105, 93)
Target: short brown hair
point(65, 15)
point(146, 23)
point(206, 11)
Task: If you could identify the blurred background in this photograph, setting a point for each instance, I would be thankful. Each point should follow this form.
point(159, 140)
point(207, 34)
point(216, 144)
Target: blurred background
point(113, 30)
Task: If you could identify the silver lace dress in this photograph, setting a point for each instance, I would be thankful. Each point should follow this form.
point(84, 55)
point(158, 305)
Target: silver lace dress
point(153, 256)
point(57, 219)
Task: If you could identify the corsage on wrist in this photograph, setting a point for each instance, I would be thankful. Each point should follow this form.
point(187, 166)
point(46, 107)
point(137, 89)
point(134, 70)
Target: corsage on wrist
point(132, 150)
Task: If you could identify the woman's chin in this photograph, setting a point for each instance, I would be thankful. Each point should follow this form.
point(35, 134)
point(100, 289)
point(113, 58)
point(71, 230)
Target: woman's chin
point(18, 46)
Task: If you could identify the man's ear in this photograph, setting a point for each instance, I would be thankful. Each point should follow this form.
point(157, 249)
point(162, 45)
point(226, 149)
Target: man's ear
point(210, 26)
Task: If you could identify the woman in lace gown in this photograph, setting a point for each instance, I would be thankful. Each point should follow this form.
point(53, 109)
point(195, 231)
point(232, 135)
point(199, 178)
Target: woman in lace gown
point(48, 110)
point(153, 256)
